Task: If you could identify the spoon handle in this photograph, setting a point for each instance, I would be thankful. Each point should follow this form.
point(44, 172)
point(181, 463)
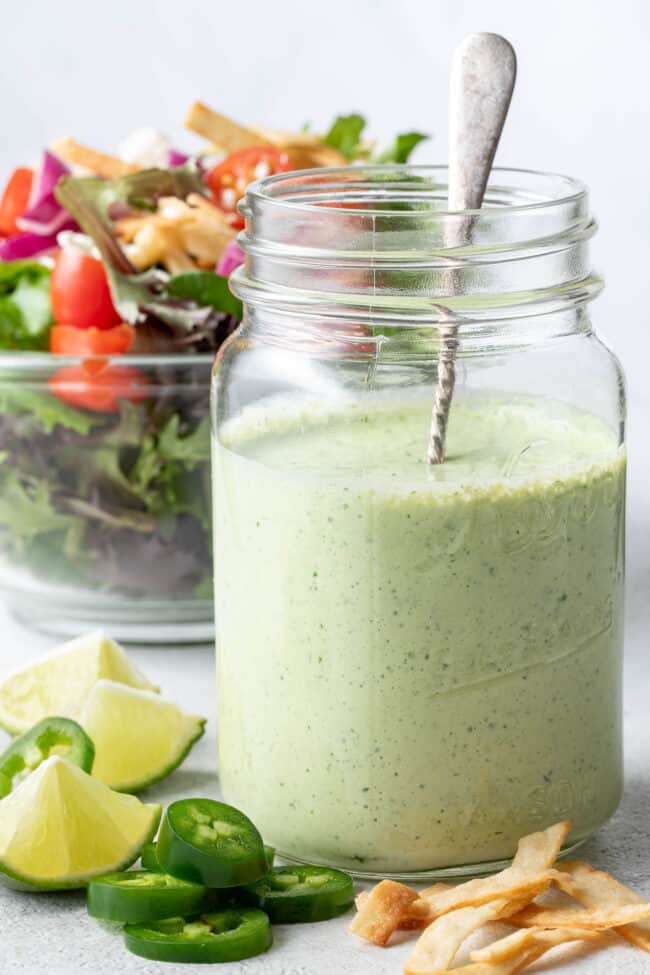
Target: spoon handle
point(483, 73)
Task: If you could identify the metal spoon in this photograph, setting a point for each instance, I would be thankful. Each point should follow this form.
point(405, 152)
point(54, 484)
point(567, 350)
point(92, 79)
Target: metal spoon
point(482, 78)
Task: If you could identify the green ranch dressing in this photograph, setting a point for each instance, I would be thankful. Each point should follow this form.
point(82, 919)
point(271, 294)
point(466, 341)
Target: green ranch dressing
point(418, 665)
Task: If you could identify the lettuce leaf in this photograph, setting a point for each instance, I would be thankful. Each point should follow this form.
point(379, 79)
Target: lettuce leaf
point(25, 310)
point(44, 411)
point(27, 510)
point(402, 147)
point(206, 289)
point(345, 135)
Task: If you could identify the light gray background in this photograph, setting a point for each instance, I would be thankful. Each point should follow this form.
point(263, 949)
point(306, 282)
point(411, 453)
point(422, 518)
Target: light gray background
point(96, 71)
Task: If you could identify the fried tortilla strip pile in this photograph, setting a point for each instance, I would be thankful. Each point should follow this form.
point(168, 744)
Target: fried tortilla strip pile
point(452, 914)
point(529, 875)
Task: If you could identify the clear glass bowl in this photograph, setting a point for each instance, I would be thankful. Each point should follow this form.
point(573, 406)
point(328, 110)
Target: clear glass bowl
point(105, 494)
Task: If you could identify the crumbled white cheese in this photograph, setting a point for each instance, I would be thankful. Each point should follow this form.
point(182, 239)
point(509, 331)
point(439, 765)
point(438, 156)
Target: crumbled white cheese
point(69, 240)
point(145, 147)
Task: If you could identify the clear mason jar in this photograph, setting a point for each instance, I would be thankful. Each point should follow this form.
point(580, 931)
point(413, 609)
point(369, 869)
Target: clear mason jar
point(417, 664)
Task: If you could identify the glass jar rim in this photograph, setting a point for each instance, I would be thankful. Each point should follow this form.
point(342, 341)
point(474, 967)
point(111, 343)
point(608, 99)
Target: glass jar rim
point(283, 189)
point(373, 242)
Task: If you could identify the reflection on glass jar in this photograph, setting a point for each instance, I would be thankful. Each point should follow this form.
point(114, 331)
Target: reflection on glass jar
point(417, 664)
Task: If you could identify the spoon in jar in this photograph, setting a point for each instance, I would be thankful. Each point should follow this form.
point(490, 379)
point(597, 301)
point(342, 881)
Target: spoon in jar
point(482, 78)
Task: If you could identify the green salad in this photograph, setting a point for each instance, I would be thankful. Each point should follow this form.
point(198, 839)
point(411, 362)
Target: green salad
point(122, 275)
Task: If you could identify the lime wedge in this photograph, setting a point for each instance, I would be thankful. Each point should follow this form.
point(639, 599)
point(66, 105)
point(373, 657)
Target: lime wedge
point(58, 682)
point(61, 827)
point(138, 738)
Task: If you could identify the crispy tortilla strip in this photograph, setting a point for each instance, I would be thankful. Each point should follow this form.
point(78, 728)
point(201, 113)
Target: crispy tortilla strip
point(284, 138)
point(180, 235)
point(152, 244)
point(222, 132)
point(108, 167)
point(382, 910)
point(596, 919)
point(313, 157)
point(514, 887)
point(436, 947)
point(518, 891)
point(539, 851)
point(520, 942)
point(593, 888)
point(416, 914)
point(516, 952)
point(528, 876)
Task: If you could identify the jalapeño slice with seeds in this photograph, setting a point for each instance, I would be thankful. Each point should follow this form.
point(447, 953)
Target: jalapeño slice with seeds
point(229, 935)
point(51, 736)
point(294, 895)
point(142, 895)
point(211, 843)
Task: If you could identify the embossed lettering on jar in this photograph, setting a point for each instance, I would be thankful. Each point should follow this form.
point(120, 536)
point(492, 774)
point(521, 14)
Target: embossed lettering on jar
point(417, 664)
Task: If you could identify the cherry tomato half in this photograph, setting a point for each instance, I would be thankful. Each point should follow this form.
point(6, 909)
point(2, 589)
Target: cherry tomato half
point(70, 340)
point(98, 385)
point(229, 178)
point(14, 200)
point(80, 293)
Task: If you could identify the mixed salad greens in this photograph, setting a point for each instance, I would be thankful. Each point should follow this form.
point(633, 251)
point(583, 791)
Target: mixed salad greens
point(104, 467)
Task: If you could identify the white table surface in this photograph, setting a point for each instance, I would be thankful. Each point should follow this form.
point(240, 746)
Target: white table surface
point(50, 934)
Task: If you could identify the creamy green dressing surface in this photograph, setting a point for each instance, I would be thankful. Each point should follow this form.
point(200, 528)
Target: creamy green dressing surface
point(417, 665)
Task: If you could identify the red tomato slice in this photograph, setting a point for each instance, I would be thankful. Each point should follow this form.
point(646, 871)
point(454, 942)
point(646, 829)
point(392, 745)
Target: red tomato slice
point(80, 293)
point(14, 200)
point(70, 340)
point(99, 386)
point(229, 178)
